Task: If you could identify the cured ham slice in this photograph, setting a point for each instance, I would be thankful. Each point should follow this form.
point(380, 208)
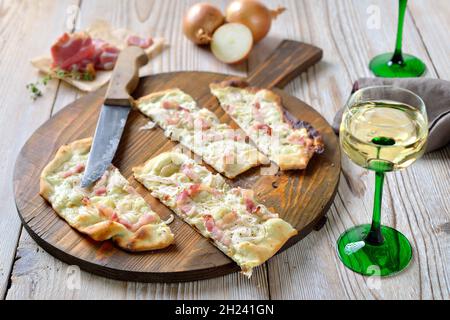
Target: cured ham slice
point(72, 50)
point(144, 43)
point(79, 52)
point(105, 55)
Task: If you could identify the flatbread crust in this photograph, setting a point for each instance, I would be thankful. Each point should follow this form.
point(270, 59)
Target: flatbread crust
point(111, 209)
point(237, 224)
point(297, 142)
point(226, 151)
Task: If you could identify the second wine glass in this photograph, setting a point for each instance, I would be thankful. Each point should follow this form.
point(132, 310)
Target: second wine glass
point(397, 64)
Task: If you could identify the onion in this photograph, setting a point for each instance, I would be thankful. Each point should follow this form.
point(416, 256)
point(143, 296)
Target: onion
point(201, 20)
point(232, 43)
point(252, 13)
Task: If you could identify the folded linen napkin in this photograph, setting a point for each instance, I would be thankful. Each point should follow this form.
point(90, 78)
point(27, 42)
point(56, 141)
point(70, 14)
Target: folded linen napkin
point(434, 92)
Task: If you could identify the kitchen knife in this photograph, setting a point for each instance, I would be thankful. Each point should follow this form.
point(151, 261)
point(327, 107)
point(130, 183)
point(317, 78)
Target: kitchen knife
point(114, 113)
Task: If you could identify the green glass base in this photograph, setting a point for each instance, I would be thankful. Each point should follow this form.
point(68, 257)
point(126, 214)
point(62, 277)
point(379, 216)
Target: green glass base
point(388, 258)
point(383, 66)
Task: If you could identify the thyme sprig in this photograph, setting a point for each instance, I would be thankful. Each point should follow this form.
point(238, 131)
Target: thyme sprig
point(35, 88)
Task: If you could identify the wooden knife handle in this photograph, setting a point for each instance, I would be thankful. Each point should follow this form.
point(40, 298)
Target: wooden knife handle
point(125, 76)
point(287, 62)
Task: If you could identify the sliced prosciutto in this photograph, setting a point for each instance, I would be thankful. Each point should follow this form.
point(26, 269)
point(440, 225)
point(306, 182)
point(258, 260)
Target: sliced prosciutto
point(105, 55)
point(144, 43)
point(79, 52)
point(72, 50)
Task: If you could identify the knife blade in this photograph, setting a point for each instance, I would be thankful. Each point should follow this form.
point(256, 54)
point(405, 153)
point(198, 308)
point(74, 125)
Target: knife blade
point(114, 113)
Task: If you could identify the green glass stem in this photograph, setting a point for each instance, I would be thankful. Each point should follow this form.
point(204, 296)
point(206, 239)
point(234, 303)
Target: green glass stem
point(370, 247)
point(397, 64)
point(397, 58)
point(375, 237)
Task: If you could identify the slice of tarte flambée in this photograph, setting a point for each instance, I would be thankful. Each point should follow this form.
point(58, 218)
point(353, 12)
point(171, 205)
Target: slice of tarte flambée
point(110, 209)
point(238, 225)
point(260, 114)
point(199, 129)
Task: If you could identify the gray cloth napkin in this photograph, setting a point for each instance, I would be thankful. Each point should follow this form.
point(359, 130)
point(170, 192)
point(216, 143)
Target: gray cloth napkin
point(434, 92)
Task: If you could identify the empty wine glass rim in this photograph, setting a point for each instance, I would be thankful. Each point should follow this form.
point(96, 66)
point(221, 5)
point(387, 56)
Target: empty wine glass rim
point(391, 87)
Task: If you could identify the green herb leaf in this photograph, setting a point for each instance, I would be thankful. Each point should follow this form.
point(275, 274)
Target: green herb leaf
point(46, 79)
point(87, 76)
point(34, 89)
point(60, 73)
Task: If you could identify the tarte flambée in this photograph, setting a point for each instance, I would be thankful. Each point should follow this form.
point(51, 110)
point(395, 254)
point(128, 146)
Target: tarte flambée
point(238, 225)
point(199, 129)
point(260, 114)
point(110, 209)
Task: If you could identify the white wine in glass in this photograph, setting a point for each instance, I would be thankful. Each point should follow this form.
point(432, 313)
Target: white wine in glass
point(383, 132)
point(383, 129)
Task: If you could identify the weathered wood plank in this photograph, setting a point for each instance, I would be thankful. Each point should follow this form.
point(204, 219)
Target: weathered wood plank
point(37, 274)
point(432, 22)
point(20, 22)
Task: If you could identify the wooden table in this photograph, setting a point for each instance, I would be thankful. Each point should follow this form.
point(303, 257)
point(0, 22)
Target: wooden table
point(416, 201)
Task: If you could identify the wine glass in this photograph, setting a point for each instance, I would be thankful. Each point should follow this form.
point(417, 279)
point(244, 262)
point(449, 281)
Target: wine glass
point(383, 129)
point(397, 64)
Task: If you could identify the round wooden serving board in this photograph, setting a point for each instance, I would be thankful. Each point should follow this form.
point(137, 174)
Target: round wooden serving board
point(300, 197)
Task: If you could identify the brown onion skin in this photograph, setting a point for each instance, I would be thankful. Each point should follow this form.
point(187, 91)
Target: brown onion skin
point(255, 15)
point(200, 22)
